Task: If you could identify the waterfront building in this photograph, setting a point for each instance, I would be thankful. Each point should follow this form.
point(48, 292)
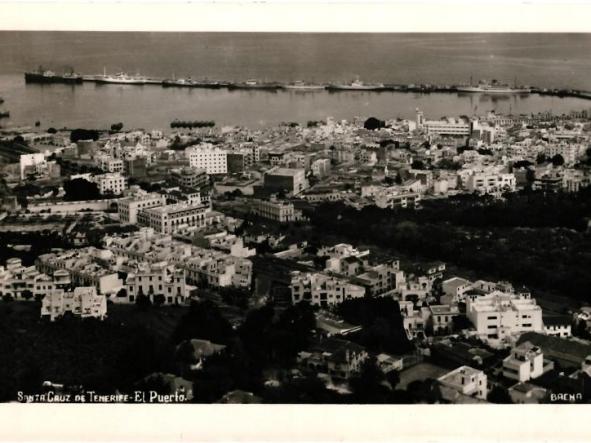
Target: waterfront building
point(31, 163)
point(204, 156)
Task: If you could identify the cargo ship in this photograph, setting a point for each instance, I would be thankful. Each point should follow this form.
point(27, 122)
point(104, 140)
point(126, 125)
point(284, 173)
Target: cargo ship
point(494, 87)
point(47, 76)
point(121, 78)
point(303, 86)
point(355, 85)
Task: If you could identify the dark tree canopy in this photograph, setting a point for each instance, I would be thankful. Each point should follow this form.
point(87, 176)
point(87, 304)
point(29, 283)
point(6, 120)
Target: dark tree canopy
point(80, 189)
point(83, 134)
point(373, 123)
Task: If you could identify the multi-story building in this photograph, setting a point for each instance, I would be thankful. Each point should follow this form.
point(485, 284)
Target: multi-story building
point(441, 318)
point(464, 383)
point(129, 207)
point(273, 209)
point(160, 283)
point(454, 289)
point(170, 218)
point(525, 362)
point(322, 290)
point(558, 326)
point(485, 182)
point(498, 315)
point(212, 159)
point(388, 198)
point(382, 279)
point(321, 167)
point(292, 181)
point(34, 163)
point(82, 302)
point(191, 177)
point(114, 183)
point(110, 164)
point(448, 126)
point(339, 359)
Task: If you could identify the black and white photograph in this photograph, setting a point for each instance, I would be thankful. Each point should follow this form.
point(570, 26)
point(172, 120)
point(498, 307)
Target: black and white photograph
point(295, 218)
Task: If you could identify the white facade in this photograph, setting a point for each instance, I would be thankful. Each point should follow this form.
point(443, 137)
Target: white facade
point(466, 381)
point(486, 182)
point(30, 161)
point(205, 156)
point(525, 362)
point(322, 290)
point(499, 315)
point(170, 218)
point(112, 182)
point(82, 302)
point(155, 281)
point(277, 210)
point(129, 207)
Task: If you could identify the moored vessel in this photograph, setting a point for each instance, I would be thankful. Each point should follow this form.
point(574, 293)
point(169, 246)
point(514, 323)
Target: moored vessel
point(300, 85)
point(494, 87)
point(42, 75)
point(356, 85)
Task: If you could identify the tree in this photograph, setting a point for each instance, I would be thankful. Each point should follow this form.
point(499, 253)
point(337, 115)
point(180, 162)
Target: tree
point(369, 386)
point(27, 295)
point(116, 127)
point(52, 131)
point(557, 160)
point(417, 164)
point(499, 395)
point(159, 299)
point(83, 134)
point(81, 189)
point(373, 123)
point(541, 158)
point(143, 301)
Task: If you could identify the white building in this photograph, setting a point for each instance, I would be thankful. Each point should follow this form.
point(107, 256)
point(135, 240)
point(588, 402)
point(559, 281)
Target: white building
point(322, 290)
point(498, 315)
point(82, 302)
point(114, 183)
point(465, 381)
point(212, 159)
point(158, 281)
point(170, 218)
point(273, 209)
point(446, 126)
point(31, 162)
point(525, 362)
point(486, 182)
point(129, 207)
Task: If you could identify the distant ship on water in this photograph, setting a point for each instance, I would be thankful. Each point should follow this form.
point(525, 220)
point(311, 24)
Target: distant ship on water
point(190, 83)
point(42, 75)
point(121, 78)
point(494, 87)
point(356, 85)
point(303, 86)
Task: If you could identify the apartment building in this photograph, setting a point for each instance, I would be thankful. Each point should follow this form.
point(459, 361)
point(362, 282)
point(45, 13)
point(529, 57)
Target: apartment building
point(83, 302)
point(170, 218)
point(292, 181)
point(321, 289)
point(205, 156)
point(129, 207)
point(273, 209)
point(498, 316)
point(525, 362)
point(191, 177)
point(161, 283)
point(487, 182)
point(113, 183)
